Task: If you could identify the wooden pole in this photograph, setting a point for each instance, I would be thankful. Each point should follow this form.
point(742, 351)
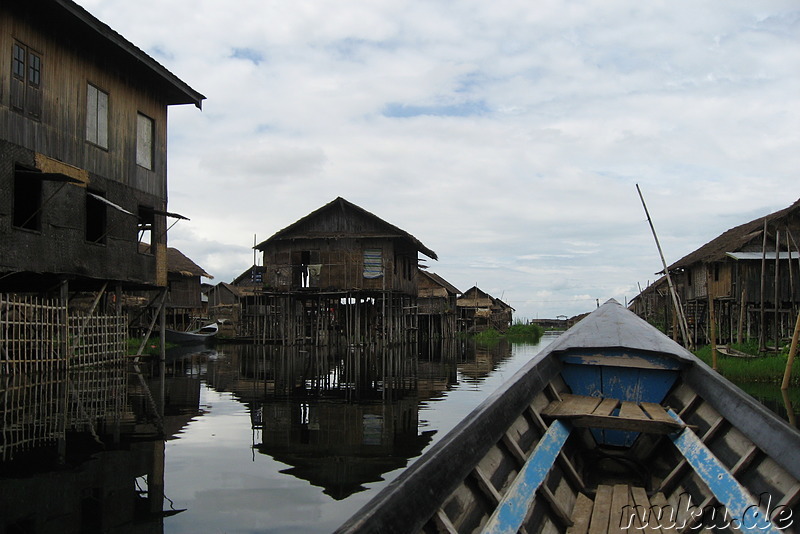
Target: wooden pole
point(776, 293)
point(711, 319)
point(792, 352)
point(679, 311)
point(762, 339)
point(742, 310)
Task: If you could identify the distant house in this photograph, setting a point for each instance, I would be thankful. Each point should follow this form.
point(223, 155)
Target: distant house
point(341, 268)
point(437, 305)
point(342, 246)
point(749, 272)
point(478, 311)
point(184, 297)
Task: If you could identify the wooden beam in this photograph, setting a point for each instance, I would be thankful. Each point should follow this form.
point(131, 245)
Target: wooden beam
point(511, 512)
point(727, 490)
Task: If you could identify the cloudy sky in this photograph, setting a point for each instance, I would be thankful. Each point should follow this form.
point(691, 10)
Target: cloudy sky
point(507, 136)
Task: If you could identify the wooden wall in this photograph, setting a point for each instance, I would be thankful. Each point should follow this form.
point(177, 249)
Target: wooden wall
point(341, 264)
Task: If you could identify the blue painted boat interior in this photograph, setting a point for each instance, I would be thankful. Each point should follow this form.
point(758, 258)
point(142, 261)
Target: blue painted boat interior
point(601, 375)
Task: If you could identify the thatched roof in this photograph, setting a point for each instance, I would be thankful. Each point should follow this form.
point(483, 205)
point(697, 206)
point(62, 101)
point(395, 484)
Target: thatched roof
point(179, 264)
point(300, 228)
point(734, 239)
point(438, 280)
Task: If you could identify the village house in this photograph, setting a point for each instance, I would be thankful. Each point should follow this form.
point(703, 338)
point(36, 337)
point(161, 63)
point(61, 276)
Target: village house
point(185, 300)
point(83, 160)
point(83, 209)
point(751, 274)
point(479, 311)
point(436, 301)
point(341, 272)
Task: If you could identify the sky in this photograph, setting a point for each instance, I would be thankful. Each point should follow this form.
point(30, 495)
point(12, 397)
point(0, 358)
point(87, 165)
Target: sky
point(506, 136)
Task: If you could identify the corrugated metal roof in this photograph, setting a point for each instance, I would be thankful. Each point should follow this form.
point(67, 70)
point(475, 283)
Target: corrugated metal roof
point(758, 255)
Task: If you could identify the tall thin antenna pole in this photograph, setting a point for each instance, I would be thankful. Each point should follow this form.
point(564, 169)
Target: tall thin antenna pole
point(681, 318)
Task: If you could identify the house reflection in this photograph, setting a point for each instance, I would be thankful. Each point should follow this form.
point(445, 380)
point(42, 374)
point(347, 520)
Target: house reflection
point(339, 420)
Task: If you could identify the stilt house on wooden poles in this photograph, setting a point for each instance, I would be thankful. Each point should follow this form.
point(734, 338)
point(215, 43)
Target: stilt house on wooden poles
point(339, 273)
point(750, 275)
point(83, 182)
point(438, 311)
point(479, 311)
point(184, 299)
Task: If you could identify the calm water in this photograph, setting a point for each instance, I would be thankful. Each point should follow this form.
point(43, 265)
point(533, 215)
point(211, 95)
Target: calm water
point(261, 440)
point(327, 436)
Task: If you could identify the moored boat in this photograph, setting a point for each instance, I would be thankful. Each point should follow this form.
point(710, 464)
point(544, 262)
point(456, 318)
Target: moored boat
point(613, 427)
point(197, 336)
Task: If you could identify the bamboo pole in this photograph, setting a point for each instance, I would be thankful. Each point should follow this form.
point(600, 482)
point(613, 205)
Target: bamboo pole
point(762, 338)
point(742, 310)
point(775, 284)
point(792, 352)
point(675, 302)
point(711, 320)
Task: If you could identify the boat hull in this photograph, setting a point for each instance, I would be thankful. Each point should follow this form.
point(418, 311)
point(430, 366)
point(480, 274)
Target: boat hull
point(668, 407)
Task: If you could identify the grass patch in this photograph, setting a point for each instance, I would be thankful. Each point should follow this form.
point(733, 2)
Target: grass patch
point(761, 369)
point(516, 333)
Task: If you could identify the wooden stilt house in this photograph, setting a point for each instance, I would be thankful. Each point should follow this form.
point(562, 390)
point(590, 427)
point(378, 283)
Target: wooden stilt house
point(343, 272)
point(83, 184)
point(437, 300)
point(478, 311)
point(750, 274)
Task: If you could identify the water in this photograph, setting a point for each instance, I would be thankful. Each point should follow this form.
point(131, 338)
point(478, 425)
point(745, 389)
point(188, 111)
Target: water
point(261, 439)
point(325, 448)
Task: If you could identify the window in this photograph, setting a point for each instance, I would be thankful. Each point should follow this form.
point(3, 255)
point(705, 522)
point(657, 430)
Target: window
point(27, 199)
point(97, 116)
point(147, 218)
point(96, 221)
point(373, 263)
point(144, 141)
point(26, 81)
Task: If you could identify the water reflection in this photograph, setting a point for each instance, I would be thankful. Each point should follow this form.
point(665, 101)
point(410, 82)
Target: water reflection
point(254, 435)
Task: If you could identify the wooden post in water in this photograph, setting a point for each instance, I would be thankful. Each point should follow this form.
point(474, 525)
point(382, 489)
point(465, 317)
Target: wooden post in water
point(776, 293)
point(711, 319)
point(742, 310)
point(762, 338)
point(792, 352)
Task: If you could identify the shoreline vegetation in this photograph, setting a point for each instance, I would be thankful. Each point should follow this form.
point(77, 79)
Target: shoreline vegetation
point(759, 369)
point(517, 333)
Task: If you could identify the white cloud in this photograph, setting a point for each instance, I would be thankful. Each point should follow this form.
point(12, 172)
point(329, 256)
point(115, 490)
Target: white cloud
point(506, 136)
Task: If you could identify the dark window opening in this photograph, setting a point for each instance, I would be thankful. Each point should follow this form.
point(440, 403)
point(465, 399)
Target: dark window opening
point(96, 218)
point(688, 277)
point(27, 200)
point(305, 268)
point(716, 272)
point(147, 219)
point(26, 81)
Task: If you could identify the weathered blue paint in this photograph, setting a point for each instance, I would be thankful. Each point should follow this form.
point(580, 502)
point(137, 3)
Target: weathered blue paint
point(743, 509)
point(590, 376)
point(511, 512)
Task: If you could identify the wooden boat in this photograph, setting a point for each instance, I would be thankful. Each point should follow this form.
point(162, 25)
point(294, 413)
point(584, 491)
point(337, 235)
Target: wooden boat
point(612, 428)
point(197, 336)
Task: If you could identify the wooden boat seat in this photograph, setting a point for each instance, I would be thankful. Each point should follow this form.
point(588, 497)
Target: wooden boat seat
point(596, 412)
point(621, 508)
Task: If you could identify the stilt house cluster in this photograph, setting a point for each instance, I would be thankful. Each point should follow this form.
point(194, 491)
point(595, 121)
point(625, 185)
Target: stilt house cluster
point(747, 280)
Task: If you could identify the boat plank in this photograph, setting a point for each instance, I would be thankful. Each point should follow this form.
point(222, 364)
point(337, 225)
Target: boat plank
point(619, 505)
point(571, 405)
point(656, 412)
point(631, 410)
point(601, 511)
point(581, 515)
point(606, 407)
point(643, 521)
